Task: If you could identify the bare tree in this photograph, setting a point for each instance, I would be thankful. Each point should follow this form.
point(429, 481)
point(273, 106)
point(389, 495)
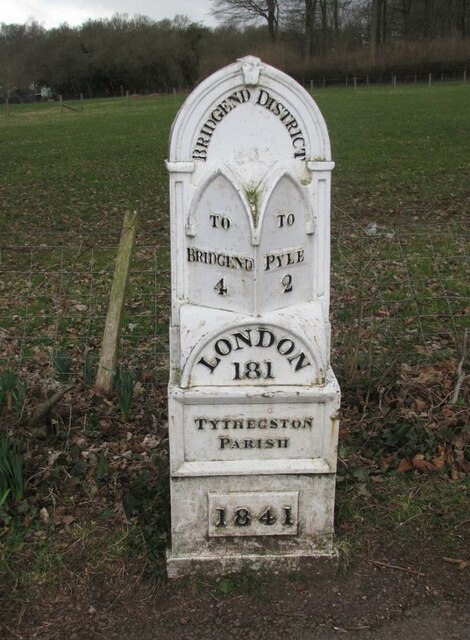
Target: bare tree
point(375, 28)
point(240, 12)
point(310, 10)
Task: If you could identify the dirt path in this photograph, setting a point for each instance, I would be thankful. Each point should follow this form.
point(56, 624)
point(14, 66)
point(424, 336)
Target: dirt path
point(425, 598)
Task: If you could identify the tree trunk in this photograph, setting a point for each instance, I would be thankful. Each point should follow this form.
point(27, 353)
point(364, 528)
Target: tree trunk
point(375, 29)
point(336, 19)
point(310, 10)
point(324, 26)
point(273, 19)
point(406, 11)
point(383, 31)
point(428, 19)
point(460, 18)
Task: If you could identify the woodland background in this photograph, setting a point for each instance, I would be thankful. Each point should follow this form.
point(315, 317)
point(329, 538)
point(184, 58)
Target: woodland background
point(305, 38)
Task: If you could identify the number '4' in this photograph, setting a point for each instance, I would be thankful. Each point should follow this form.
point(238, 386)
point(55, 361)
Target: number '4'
point(221, 288)
point(267, 517)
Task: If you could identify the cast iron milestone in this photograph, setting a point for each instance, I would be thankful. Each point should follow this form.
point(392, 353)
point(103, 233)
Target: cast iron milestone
point(252, 397)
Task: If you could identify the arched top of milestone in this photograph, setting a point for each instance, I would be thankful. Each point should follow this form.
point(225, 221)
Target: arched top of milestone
point(248, 73)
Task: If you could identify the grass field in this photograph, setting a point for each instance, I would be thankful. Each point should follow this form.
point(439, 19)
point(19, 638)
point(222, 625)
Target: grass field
point(401, 162)
point(401, 151)
point(400, 308)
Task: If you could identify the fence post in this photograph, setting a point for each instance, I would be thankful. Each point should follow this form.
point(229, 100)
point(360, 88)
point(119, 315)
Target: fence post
point(430, 79)
point(416, 78)
point(61, 102)
point(324, 81)
point(394, 81)
point(367, 79)
point(8, 102)
point(82, 104)
point(127, 98)
point(347, 80)
point(112, 330)
point(355, 83)
point(465, 76)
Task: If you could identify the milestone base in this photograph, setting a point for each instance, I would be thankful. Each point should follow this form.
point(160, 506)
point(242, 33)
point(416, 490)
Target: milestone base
point(179, 566)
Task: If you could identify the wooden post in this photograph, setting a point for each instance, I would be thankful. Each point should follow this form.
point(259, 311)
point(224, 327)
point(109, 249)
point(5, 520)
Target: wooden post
point(367, 79)
point(61, 102)
point(112, 329)
point(8, 102)
point(430, 80)
point(324, 81)
point(347, 80)
point(416, 78)
point(355, 83)
point(127, 98)
point(395, 81)
point(311, 86)
point(465, 76)
point(81, 102)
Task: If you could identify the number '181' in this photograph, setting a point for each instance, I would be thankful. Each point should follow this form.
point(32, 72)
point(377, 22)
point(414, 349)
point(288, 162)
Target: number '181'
point(253, 370)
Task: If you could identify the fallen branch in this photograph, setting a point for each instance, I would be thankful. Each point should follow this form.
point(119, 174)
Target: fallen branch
point(461, 564)
point(394, 566)
point(46, 407)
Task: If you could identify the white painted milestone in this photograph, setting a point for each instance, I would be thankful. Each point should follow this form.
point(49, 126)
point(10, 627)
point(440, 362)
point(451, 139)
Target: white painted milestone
point(252, 397)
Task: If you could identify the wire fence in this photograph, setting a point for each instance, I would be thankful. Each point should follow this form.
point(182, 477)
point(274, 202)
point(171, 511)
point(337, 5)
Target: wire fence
point(53, 305)
point(401, 295)
point(400, 298)
point(391, 78)
point(319, 80)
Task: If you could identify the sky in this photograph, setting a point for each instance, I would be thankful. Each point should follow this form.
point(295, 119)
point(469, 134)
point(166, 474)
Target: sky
point(51, 13)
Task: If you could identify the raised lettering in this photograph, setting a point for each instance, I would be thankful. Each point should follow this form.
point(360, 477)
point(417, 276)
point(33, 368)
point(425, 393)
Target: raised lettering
point(270, 337)
point(224, 442)
point(302, 361)
point(244, 337)
point(210, 365)
point(283, 350)
point(200, 423)
point(223, 342)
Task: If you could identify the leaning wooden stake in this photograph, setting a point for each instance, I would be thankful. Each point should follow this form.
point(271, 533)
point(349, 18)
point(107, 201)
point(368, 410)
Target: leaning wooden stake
point(112, 329)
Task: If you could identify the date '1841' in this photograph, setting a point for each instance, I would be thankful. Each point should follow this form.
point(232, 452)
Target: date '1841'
point(242, 517)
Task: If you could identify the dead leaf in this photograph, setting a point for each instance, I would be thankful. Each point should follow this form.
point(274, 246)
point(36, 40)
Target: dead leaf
point(404, 466)
point(419, 404)
point(440, 460)
point(421, 464)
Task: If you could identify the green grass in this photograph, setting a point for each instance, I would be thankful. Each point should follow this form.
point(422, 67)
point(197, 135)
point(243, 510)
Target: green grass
point(401, 160)
point(396, 151)
point(399, 150)
point(79, 171)
point(404, 509)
